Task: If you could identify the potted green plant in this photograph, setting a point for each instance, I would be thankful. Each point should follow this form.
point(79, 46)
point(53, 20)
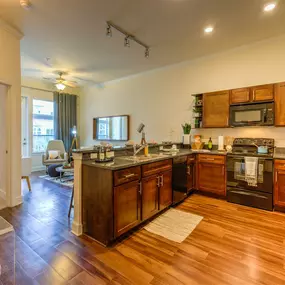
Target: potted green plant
point(186, 133)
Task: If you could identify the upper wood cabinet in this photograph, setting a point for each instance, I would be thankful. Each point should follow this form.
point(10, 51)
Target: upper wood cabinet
point(279, 183)
point(280, 104)
point(127, 211)
point(216, 109)
point(241, 95)
point(262, 93)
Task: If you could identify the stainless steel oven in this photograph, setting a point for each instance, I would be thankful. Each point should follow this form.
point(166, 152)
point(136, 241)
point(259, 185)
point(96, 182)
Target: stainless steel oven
point(261, 114)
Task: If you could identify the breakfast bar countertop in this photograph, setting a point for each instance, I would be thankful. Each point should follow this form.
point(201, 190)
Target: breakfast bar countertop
point(122, 162)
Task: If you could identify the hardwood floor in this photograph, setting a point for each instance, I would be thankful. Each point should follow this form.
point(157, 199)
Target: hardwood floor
point(232, 245)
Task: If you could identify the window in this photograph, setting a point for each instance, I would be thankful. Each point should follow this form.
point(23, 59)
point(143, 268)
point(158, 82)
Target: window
point(43, 119)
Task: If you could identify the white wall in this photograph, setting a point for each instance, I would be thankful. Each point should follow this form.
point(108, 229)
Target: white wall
point(10, 74)
point(162, 98)
point(35, 89)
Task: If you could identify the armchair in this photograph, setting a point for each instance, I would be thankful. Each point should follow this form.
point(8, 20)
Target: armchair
point(55, 145)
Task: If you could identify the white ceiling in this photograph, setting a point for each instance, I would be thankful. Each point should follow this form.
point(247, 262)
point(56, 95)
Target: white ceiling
point(72, 33)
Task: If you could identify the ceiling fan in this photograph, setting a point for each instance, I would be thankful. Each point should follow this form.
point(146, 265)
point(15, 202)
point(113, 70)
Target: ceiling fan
point(60, 82)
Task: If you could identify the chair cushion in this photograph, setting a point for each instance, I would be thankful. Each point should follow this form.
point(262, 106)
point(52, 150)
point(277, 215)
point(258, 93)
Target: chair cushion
point(53, 154)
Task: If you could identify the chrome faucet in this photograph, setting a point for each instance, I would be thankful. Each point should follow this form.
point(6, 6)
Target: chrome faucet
point(136, 151)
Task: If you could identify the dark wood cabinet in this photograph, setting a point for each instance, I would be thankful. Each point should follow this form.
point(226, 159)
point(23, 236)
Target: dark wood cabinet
point(211, 174)
point(150, 187)
point(127, 207)
point(279, 183)
point(165, 190)
point(280, 104)
point(239, 96)
point(263, 93)
point(216, 109)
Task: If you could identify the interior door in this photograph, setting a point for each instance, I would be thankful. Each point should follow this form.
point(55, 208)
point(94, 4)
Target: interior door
point(216, 109)
point(24, 127)
point(149, 196)
point(165, 190)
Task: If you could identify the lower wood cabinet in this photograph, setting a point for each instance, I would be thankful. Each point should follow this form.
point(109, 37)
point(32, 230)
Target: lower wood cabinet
point(165, 190)
point(127, 207)
point(279, 183)
point(149, 196)
point(211, 174)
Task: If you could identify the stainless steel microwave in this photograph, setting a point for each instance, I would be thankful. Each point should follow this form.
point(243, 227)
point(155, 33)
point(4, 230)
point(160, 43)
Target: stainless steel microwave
point(261, 114)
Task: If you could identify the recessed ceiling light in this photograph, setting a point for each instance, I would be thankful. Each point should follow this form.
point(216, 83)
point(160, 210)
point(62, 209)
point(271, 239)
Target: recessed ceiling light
point(208, 29)
point(269, 7)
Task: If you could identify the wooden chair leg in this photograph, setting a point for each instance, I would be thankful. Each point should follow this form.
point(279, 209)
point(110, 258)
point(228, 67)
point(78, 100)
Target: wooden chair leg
point(28, 182)
point(71, 202)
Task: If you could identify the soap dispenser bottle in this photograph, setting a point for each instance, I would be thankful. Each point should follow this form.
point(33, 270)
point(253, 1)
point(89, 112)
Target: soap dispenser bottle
point(210, 144)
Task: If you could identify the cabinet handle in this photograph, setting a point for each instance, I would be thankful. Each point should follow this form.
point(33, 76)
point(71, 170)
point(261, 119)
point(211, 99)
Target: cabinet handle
point(158, 181)
point(211, 159)
point(276, 180)
point(140, 188)
point(188, 170)
point(162, 180)
point(129, 175)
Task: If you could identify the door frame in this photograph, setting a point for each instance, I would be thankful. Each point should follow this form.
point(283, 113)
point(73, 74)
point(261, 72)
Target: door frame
point(8, 144)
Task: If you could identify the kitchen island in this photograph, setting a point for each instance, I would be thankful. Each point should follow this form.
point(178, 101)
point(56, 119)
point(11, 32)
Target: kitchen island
point(113, 198)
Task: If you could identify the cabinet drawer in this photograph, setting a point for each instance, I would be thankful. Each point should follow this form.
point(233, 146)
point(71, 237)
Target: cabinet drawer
point(279, 164)
point(156, 167)
point(191, 159)
point(127, 175)
point(210, 158)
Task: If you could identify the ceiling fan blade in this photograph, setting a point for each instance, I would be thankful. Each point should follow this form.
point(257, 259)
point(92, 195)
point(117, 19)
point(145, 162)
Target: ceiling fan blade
point(69, 84)
point(49, 79)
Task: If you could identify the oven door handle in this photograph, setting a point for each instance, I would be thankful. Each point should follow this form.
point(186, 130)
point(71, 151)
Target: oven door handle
point(249, 194)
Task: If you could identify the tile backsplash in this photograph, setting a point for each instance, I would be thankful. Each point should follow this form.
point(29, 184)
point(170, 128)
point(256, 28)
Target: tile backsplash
point(251, 132)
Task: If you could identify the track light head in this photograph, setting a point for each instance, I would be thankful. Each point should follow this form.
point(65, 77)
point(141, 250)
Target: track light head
point(146, 53)
point(127, 41)
point(109, 31)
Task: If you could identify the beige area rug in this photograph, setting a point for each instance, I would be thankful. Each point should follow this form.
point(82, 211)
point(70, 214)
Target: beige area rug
point(174, 225)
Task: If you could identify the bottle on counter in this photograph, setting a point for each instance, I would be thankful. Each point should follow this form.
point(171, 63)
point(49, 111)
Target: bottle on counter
point(101, 155)
point(210, 144)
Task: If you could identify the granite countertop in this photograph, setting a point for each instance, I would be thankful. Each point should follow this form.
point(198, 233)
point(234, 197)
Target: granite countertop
point(122, 162)
point(279, 153)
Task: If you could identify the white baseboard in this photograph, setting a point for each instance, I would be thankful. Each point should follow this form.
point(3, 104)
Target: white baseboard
point(77, 229)
point(18, 201)
point(2, 194)
point(38, 168)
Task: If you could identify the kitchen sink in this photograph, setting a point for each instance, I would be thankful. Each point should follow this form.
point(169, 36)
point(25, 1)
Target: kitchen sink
point(139, 158)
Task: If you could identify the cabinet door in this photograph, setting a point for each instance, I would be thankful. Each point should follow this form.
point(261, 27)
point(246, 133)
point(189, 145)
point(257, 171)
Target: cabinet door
point(211, 178)
point(127, 211)
point(279, 188)
point(165, 190)
point(280, 104)
point(241, 95)
point(263, 93)
point(216, 109)
point(149, 196)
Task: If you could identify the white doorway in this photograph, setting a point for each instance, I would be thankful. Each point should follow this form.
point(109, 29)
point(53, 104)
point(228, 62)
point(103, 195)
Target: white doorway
point(25, 127)
point(3, 146)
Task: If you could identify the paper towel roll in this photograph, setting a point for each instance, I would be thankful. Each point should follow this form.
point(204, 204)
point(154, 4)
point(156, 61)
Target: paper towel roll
point(221, 143)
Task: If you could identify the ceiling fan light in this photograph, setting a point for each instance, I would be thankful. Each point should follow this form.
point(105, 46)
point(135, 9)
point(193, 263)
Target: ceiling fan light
point(60, 86)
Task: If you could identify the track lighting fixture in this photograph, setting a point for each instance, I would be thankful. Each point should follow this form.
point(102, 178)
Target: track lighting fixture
point(128, 37)
point(127, 42)
point(146, 54)
point(109, 31)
